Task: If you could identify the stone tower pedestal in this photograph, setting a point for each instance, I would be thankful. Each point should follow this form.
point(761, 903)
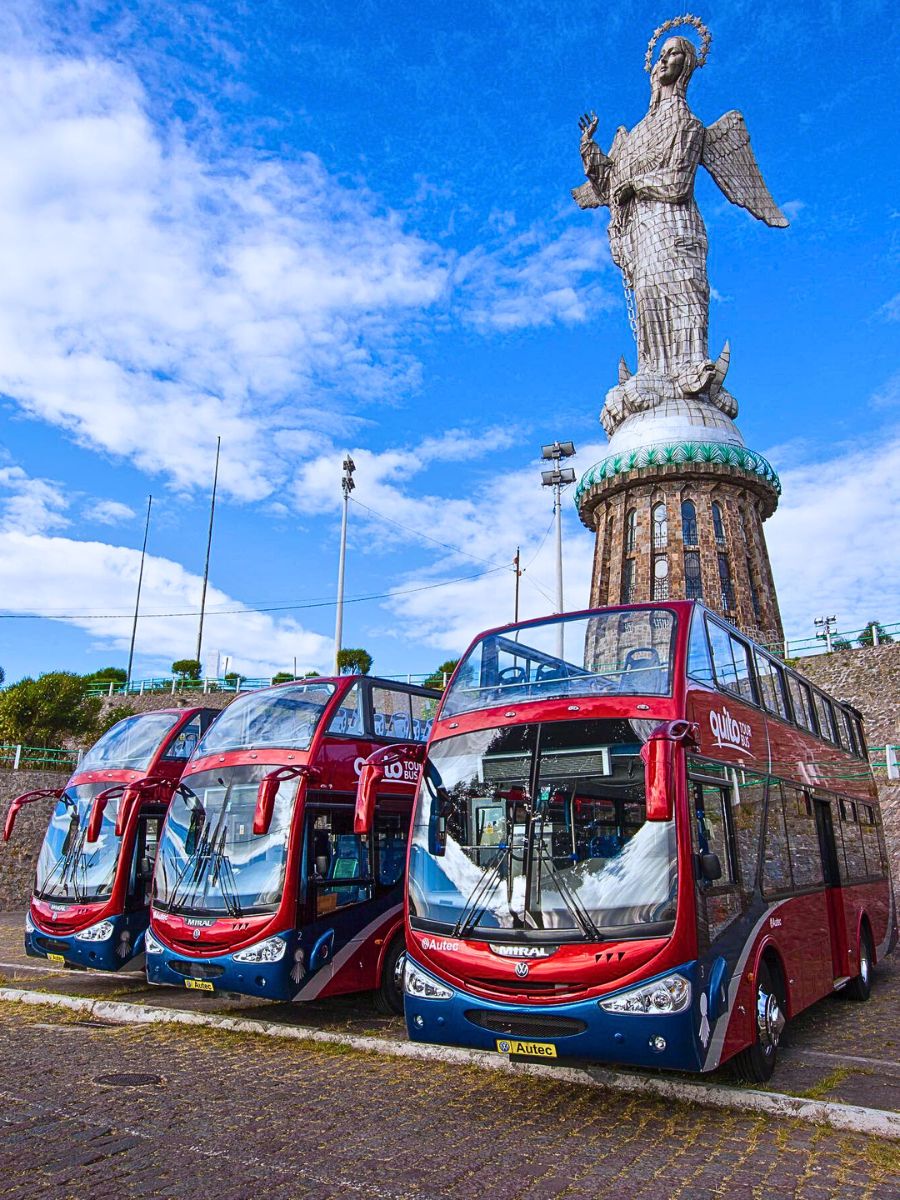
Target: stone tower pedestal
point(677, 506)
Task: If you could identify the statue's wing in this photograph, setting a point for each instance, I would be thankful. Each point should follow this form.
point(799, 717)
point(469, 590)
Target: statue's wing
point(728, 156)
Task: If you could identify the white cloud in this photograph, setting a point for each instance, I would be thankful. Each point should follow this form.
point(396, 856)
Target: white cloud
point(30, 505)
point(109, 512)
point(152, 298)
point(535, 279)
point(41, 574)
point(833, 539)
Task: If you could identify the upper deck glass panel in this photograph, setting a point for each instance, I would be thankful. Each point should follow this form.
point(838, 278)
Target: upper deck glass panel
point(283, 717)
point(611, 652)
point(130, 744)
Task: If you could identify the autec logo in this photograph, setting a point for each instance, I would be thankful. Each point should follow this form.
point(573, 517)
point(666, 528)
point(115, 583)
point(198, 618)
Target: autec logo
point(729, 733)
point(440, 944)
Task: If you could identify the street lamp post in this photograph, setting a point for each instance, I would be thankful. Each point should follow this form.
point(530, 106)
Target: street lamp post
point(556, 478)
point(347, 486)
point(826, 624)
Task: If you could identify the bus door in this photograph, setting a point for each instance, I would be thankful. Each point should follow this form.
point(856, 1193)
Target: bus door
point(146, 842)
point(834, 897)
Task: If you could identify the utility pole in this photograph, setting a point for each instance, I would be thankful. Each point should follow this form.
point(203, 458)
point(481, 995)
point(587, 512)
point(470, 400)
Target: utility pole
point(826, 623)
point(555, 478)
point(212, 513)
point(347, 486)
point(137, 601)
point(518, 569)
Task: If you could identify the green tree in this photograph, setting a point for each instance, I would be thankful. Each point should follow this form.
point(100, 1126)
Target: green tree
point(436, 679)
point(105, 676)
point(867, 637)
point(48, 710)
point(186, 668)
point(354, 662)
point(312, 674)
point(2, 675)
point(234, 678)
point(282, 677)
point(114, 714)
point(841, 643)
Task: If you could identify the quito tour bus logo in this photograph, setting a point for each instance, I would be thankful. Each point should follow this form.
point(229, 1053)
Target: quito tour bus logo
point(729, 733)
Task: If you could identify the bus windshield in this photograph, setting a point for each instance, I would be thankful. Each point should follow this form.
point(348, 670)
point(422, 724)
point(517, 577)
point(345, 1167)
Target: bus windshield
point(209, 859)
point(541, 829)
point(613, 652)
point(69, 868)
point(130, 744)
point(285, 717)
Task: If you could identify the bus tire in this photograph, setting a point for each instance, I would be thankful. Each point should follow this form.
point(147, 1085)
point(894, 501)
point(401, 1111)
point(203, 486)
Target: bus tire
point(389, 993)
point(860, 988)
point(756, 1063)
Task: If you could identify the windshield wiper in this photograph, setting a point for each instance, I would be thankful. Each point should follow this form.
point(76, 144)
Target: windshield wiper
point(476, 904)
point(575, 907)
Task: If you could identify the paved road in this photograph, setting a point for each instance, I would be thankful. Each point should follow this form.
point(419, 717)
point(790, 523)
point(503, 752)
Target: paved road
point(834, 1051)
point(233, 1116)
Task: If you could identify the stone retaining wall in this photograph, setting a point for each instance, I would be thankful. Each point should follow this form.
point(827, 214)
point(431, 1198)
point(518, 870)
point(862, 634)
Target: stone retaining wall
point(18, 856)
point(869, 679)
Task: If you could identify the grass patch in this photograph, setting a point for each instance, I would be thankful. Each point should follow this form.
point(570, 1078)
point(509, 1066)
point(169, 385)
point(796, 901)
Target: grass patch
point(820, 1090)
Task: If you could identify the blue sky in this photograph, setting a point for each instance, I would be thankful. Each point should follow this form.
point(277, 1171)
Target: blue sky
point(325, 226)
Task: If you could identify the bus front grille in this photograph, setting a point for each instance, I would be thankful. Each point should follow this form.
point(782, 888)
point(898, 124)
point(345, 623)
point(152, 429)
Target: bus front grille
point(53, 946)
point(528, 986)
point(197, 970)
point(518, 1026)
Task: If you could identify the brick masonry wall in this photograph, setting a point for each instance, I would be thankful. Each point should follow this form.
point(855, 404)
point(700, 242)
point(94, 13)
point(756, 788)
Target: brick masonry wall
point(870, 679)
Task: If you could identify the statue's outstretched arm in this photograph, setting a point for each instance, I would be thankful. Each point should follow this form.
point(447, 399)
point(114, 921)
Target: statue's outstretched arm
point(597, 166)
point(728, 156)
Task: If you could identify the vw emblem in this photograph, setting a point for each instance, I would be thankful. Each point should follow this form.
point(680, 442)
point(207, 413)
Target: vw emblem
point(522, 969)
point(196, 935)
point(504, 1047)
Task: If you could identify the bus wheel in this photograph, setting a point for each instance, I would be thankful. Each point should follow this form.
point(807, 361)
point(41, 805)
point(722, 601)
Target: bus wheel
point(757, 1062)
point(860, 988)
point(389, 993)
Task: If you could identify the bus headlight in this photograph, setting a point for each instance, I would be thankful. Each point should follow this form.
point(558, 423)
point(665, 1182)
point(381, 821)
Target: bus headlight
point(423, 987)
point(151, 945)
point(269, 951)
point(669, 995)
point(96, 933)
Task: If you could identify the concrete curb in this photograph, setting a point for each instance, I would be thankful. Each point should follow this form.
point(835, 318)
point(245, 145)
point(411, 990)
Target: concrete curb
point(850, 1117)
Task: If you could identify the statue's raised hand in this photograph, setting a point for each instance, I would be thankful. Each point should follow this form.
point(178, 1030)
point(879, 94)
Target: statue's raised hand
point(588, 123)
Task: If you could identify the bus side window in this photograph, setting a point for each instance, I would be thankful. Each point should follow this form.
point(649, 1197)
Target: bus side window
point(349, 718)
point(854, 863)
point(711, 813)
point(747, 815)
point(391, 831)
point(732, 662)
point(802, 703)
point(871, 841)
point(182, 745)
point(423, 709)
point(825, 717)
point(771, 682)
point(776, 857)
point(339, 860)
point(806, 855)
point(699, 661)
point(393, 714)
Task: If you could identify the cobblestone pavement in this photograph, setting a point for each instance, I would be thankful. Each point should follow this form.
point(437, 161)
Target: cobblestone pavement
point(234, 1116)
point(836, 1050)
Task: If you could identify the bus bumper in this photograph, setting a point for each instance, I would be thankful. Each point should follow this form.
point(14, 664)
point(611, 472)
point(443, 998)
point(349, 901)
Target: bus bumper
point(120, 946)
point(222, 972)
point(660, 1040)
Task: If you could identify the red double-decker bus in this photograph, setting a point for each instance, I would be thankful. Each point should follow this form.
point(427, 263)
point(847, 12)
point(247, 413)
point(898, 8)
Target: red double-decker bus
point(90, 905)
point(639, 838)
point(262, 885)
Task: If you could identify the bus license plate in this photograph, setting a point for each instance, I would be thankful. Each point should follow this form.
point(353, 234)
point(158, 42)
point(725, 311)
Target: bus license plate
point(534, 1049)
point(200, 985)
point(57, 958)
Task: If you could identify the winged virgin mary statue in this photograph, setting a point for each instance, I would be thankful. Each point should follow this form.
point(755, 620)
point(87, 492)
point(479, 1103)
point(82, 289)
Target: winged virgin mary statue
point(656, 234)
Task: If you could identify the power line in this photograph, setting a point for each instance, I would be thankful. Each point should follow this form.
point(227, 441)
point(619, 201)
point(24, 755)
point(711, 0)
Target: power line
point(427, 587)
point(418, 533)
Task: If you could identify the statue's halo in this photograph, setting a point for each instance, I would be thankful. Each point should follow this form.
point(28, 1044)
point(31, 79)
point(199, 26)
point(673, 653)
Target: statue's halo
point(673, 23)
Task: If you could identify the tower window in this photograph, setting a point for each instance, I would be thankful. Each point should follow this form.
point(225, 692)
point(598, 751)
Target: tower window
point(693, 583)
point(718, 524)
point(660, 577)
point(630, 530)
point(689, 523)
point(725, 582)
point(628, 581)
point(754, 595)
point(660, 527)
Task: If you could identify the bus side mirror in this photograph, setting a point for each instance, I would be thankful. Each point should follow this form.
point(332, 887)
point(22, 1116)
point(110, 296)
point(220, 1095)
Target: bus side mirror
point(96, 818)
point(130, 798)
point(663, 755)
point(369, 778)
point(21, 801)
point(266, 795)
point(710, 867)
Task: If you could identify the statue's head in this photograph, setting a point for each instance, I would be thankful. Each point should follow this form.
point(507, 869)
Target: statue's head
point(676, 64)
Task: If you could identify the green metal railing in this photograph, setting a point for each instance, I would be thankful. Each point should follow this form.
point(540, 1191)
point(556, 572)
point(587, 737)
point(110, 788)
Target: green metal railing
point(37, 758)
point(174, 685)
